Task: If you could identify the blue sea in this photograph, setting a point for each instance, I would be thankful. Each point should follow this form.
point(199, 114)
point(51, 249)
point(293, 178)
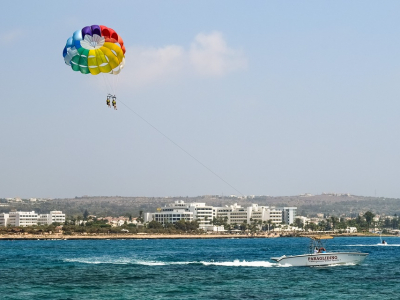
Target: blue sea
point(193, 269)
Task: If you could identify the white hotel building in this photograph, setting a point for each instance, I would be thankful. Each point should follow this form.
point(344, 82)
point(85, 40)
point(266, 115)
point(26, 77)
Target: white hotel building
point(22, 218)
point(289, 214)
point(179, 210)
point(234, 214)
point(54, 216)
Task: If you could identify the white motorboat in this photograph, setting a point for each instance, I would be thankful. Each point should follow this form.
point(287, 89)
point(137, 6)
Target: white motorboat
point(320, 257)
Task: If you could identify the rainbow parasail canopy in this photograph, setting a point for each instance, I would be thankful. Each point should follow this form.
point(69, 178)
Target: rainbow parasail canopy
point(95, 49)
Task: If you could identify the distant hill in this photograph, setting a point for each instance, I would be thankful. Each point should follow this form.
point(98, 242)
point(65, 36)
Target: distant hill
point(308, 205)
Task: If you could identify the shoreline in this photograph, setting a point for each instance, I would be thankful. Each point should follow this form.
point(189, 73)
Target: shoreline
point(6, 237)
point(127, 237)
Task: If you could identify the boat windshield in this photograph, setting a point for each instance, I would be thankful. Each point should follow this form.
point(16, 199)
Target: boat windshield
point(316, 244)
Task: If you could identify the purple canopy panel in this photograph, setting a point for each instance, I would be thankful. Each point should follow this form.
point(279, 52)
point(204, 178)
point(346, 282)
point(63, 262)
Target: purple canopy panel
point(86, 30)
point(96, 30)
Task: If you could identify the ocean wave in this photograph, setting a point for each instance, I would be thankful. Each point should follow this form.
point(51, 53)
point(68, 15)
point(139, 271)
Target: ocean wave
point(125, 261)
point(98, 260)
point(336, 265)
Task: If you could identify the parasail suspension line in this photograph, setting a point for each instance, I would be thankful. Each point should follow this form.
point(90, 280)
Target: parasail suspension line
point(177, 145)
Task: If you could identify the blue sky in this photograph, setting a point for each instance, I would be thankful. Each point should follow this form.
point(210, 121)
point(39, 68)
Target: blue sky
point(276, 97)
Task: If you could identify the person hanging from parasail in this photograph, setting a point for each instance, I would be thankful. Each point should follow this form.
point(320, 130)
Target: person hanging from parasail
point(108, 100)
point(114, 103)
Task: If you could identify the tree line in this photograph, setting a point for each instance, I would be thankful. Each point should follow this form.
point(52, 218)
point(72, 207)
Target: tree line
point(362, 222)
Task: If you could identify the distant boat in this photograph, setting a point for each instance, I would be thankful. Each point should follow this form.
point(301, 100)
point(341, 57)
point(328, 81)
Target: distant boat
point(383, 242)
point(318, 256)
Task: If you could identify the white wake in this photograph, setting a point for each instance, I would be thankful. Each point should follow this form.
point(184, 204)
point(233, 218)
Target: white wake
point(372, 245)
point(238, 263)
point(125, 261)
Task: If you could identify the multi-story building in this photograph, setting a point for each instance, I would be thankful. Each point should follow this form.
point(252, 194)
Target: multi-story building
point(275, 214)
point(224, 212)
point(23, 218)
point(179, 210)
point(52, 217)
point(3, 219)
point(202, 213)
point(288, 214)
point(234, 214)
point(238, 215)
point(172, 213)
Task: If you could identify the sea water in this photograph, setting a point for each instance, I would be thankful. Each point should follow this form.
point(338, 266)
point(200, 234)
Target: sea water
point(193, 269)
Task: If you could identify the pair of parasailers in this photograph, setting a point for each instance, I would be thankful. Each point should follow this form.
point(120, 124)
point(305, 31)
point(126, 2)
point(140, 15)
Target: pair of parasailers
point(114, 102)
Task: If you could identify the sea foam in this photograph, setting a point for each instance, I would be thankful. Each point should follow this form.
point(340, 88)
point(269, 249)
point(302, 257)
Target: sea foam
point(124, 261)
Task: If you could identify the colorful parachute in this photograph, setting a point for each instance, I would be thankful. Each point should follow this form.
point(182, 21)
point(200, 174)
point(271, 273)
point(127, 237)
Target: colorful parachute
point(95, 49)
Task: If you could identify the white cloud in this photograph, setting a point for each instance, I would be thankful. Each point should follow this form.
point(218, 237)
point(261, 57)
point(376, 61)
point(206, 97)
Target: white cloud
point(11, 36)
point(145, 65)
point(208, 55)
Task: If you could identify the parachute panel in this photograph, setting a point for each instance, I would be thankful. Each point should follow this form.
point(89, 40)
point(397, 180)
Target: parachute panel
point(118, 51)
point(112, 59)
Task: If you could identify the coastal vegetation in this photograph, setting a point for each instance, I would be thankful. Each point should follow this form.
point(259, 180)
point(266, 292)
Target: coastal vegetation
point(86, 224)
point(363, 223)
point(98, 226)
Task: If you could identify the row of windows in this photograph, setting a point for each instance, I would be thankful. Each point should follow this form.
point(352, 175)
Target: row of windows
point(170, 220)
point(174, 219)
point(28, 223)
point(171, 215)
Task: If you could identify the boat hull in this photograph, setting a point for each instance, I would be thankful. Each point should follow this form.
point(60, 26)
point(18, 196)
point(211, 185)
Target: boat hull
point(321, 259)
